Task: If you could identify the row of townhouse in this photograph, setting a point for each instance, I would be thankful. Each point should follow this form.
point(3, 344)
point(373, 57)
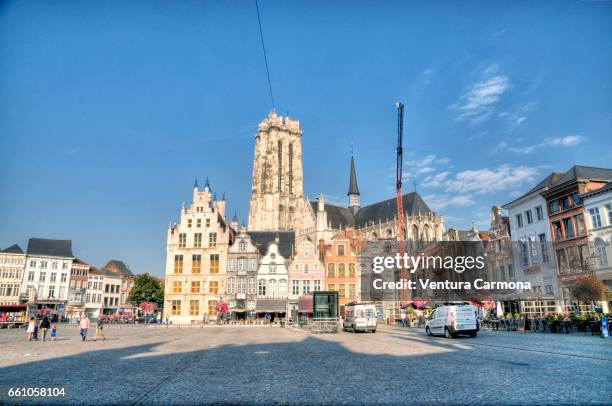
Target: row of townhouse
point(48, 278)
point(211, 263)
point(557, 233)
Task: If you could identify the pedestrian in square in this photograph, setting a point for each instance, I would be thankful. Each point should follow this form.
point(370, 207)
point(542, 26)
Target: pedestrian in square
point(84, 326)
point(36, 327)
point(100, 329)
point(31, 328)
point(53, 331)
point(45, 324)
point(404, 319)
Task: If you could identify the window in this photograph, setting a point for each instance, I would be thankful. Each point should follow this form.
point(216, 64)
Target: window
point(510, 271)
point(609, 210)
point(579, 221)
point(231, 285)
point(54, 265)
point(177, 287)
point(213, 287)
point(576, 199)
point(340, 250)
point(31, 276)
point(341, 270)
point(189, 223)
point(331, 270)
point(197, 240)
point(305, 287)
point(196, 263)
point(262, 287)
point(182, 240)
point(351, 270)
point(252, 290)
point(231, 264)
point(53, 277)
point(64, 277)
point(537, 289)
point(214, 263)
point(595, 217)
point(529, 216)
point(241, 286)
point(331, 286)
point(207, 222)
point(543, 248)
point(32, 263)
point(519, 220)
point(272, 267)
point(212, 239)
point(43, 264)
point(199, 223)
point(242, 246)
point(352, 291)
point(194, 307)
point(600, 251)
point(539, 213)
point(252, 264)
point(568, 225)
point(176, 307)
point(524, 253)
point(178, 264)
point(64, 266)
point(549, 289)
point(556, 226)
point(317, 286)
point(295, 287)
point(341, 290)
point(195, 286)
point(51, 291)
point(211, 308)
point(42, 277)
point(242, 264)
point(554, 207)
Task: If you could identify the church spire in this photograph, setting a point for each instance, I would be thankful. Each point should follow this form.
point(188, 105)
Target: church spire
point(353, 192)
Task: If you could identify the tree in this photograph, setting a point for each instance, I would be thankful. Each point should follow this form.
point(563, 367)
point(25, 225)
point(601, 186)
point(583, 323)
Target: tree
point(589, 290)
point(147, 288)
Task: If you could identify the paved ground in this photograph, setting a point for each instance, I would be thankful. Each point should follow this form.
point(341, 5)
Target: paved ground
point(273, 365)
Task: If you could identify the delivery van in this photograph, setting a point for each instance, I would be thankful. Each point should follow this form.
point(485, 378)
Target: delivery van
point(451, 321)
point(359, 317)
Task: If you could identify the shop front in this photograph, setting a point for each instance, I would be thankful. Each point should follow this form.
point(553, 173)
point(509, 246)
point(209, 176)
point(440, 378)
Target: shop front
point(271, 309)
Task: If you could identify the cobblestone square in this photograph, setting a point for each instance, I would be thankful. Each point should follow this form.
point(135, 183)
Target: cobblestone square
point(225, 364)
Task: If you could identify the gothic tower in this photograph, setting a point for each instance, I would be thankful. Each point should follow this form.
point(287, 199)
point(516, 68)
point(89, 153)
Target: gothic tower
point(277, 195)
point(353, 192)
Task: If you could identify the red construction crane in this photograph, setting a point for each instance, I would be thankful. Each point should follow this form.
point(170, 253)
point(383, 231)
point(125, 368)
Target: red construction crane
point(400, 201)
point(398, 175)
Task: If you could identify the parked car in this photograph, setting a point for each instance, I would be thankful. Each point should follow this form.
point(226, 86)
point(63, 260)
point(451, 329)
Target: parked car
point(451, 321)
point(360, 317)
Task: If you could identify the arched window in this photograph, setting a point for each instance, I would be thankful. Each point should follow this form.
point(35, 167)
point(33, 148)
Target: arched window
point(352, 270)
point(290, 164)
point(389, 233)
point(331, 270)
point(280, 166)
point(600, 247)
point(341, 270)
point(427, 233)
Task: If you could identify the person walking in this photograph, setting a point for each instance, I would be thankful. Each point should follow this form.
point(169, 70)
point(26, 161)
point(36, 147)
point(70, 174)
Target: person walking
point(53, 331)
point(36, 329)
point(31, 328)
point(84, 326)
point(100, 329)
point(404, 319)
point(45, 324)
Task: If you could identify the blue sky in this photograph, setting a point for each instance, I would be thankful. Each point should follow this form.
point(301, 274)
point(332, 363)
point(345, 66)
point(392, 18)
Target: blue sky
point(111, 109)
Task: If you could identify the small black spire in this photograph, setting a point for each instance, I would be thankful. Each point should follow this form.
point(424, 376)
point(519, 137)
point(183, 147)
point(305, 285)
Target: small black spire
point(353, 189)
point(223, 197)
point(235, 218)
point(196, 182)
point(207, 184)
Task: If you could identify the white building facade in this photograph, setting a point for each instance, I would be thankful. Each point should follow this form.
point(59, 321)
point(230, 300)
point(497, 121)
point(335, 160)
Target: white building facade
point(12, 264)
point(598, 210)
point(533, 257)
point(95, 293)
point(272, 276)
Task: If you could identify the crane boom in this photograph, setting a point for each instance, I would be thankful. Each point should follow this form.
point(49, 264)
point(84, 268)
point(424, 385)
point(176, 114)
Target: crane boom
point(398, 182)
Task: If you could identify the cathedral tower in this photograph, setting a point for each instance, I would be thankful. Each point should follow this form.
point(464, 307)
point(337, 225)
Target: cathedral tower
point(277, 195)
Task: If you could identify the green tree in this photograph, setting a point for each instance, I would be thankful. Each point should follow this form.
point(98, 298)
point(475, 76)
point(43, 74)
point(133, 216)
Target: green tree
point(147, 288)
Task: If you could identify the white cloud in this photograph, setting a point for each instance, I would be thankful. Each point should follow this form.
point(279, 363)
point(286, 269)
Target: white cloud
point(440, 202)
point(485, 180)
point(435, 180)
point(514, 194)
point(478, 103)
point(428, 160)
point(425, 169)
point(567, 141)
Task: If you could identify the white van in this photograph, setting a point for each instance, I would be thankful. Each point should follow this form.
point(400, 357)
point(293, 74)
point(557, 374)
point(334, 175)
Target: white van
point(360, 317)
point(451, 321)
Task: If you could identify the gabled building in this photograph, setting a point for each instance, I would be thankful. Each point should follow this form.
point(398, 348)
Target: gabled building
point(119, 268)
point(568, 226)
point(46, 275)
point(306, 274)
point(272, 282)
point(196, 262)
point(12, 264)
point(77, 289)
point(95, 291)
point(242, 263)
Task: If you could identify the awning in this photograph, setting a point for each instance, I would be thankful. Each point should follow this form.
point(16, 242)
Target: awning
point(271, 305)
